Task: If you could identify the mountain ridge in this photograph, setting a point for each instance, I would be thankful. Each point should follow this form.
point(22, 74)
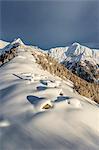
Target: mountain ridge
point(80, 59)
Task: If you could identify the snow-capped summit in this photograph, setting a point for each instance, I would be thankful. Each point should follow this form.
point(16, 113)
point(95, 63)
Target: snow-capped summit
point(6, 46)
point(18, 40)
point(76, 49)
point(76, 57)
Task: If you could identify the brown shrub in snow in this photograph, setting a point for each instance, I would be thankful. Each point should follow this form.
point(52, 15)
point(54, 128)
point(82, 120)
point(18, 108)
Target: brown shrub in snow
point(7, 55)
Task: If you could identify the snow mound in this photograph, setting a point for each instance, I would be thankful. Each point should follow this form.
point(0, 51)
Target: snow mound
point(31, 77)
point(75, 103)
point(4, 123)
point(25, 76)
point(53, 84)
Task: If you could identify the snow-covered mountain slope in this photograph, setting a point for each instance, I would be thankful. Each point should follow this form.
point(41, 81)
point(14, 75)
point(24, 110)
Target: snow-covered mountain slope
point(76, 52)
point(3, 44)
point(17, 43)
point(79, 59)
point(58, 53)
point(83, 53)
point(6, 46)
point(26, 123)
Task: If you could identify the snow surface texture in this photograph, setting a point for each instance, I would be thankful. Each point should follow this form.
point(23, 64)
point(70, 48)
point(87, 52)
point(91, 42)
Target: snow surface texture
point(72, 122)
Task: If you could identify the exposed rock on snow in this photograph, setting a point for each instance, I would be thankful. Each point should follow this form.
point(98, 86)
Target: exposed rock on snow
point(47, 106)
point(44, 105)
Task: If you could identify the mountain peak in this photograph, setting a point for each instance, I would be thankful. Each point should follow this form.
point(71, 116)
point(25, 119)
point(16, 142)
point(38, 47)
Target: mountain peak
point(76, 44)
point(18, 40)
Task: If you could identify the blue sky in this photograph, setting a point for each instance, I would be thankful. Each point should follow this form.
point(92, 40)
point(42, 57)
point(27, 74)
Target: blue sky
point(48, 23)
